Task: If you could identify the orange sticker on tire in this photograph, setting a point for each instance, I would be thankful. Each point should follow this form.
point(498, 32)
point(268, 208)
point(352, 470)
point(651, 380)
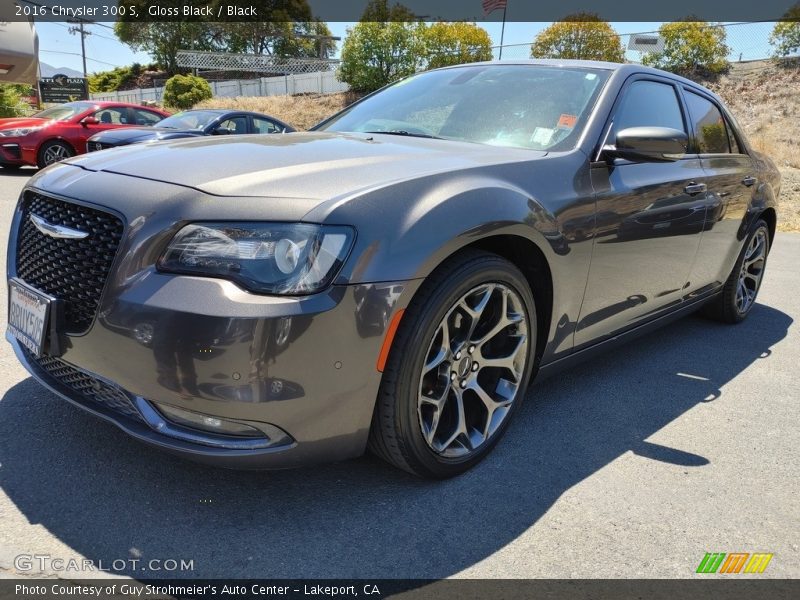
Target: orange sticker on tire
point(567, 121)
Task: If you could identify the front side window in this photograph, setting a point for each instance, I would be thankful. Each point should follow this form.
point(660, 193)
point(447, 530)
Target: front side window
point(649, 104)
point(235, 125)
point(112, 116)
point(523, 106)
point(710, 132)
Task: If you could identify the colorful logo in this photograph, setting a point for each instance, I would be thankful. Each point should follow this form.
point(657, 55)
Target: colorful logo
point(734, 562)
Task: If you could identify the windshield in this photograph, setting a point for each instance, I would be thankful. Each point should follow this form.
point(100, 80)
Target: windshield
point(64, 111)
point(523, 106)
point(191, 119)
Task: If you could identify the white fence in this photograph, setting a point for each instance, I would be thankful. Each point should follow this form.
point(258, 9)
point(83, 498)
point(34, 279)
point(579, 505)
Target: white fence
point(322, 82)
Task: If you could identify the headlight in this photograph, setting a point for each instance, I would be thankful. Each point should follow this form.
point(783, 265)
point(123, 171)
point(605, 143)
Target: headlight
point(18, 132)
point(269, 258)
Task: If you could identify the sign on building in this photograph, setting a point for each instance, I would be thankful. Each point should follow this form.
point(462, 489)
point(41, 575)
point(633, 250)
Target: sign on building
point(60, 88)
point(646, 43)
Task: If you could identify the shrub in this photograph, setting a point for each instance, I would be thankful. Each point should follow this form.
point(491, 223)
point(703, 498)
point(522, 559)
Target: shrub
point(184, 91)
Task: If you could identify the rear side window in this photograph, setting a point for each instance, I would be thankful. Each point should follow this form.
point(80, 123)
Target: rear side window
point(649, 104)
point(264, 126)
point(711, 135)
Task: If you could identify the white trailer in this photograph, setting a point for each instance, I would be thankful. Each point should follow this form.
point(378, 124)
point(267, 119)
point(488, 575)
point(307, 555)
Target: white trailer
point(19, 47)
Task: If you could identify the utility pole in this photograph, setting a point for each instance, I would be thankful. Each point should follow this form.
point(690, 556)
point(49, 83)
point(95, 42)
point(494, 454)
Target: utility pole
point(83, 33)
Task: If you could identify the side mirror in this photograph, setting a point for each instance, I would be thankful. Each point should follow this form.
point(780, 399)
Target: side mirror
point(649, 144)
point(89, 121)
point(222, 131)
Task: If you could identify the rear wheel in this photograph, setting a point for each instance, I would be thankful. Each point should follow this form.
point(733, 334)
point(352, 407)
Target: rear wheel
point(741, 289)
point(53, 152)
point(458, 368)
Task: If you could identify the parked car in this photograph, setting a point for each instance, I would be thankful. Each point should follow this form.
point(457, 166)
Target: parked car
point(403, 270)
point(191, 123)
point(61, 131)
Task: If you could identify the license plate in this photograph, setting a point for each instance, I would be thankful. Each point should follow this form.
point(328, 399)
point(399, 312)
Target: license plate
point(28, 315)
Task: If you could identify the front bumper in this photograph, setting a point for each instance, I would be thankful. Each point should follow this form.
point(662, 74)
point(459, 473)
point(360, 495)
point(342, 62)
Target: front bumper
point(306, 366)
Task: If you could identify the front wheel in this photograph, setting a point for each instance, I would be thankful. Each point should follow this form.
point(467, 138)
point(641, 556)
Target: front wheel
point(458, 368)
point(739, 294)
point(53, 152)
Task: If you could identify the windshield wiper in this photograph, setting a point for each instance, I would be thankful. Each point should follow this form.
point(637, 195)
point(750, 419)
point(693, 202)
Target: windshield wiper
point(407, 134)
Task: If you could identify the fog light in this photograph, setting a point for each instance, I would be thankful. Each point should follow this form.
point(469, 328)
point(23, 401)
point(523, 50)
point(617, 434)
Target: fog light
point(211, 424)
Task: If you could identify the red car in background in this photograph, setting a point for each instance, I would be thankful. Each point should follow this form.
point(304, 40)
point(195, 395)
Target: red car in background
point(61, 131)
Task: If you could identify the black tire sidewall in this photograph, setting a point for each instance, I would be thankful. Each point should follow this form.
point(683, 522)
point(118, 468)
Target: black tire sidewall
point(424, 323)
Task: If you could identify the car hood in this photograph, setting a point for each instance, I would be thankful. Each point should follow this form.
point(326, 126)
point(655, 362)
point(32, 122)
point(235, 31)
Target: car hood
point(317, 165)
point(16, 123)
point(137, 134)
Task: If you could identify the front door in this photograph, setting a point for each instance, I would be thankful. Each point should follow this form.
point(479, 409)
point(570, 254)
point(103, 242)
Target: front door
point(653, 214)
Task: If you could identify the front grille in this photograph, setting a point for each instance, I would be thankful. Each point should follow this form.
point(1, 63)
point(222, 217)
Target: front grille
point(84, 385)
point(74, 271)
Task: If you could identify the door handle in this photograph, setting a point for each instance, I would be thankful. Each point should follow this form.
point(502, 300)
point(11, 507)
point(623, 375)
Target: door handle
point(695, 188)
point(749, 180)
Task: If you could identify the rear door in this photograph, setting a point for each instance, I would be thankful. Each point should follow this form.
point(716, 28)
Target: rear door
point(731, 179)
point(654, 213)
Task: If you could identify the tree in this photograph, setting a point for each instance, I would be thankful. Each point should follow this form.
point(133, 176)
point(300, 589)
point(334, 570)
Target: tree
point(691, 48)
point(455, 43)
point(383, 47)
point(580, 36)
point(163, 40)
point(184, 91)
point(11, 104)
point(785, 35)
point(278, 30)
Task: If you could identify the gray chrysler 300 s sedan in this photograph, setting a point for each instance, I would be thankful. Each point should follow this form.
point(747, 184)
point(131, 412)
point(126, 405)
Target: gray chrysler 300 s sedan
point(393, 279)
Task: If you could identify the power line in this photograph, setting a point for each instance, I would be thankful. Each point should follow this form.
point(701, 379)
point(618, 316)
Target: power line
point(102, 62)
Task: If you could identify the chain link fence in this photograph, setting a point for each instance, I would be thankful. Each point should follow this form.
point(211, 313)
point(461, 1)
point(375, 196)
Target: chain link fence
point(746, 42)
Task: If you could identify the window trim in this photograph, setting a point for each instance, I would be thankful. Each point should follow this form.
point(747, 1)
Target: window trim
point(729, 128)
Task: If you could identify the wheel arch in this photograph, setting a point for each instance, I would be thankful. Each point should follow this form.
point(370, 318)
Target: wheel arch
point(529, 258)
point(771, 217)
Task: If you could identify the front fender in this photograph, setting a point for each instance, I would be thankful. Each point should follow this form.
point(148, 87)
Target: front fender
point(406, 230)
point(407, 237)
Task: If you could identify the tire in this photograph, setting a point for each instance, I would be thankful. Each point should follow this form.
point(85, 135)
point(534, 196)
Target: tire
point(408, 429)
point(53, 152)
point(733, 304)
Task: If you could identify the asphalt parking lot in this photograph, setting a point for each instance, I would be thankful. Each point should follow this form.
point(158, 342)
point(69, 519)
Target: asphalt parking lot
point(632, 465)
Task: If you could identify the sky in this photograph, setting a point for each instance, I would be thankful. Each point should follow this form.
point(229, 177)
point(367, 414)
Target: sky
point(59, 48)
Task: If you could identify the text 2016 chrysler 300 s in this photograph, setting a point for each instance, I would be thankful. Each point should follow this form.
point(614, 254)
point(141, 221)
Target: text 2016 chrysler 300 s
point(394, 278)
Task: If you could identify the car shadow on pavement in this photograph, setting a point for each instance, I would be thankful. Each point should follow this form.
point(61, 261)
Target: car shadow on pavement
point(107, 497)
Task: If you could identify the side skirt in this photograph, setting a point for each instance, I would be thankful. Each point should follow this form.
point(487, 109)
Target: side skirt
point(604, 346)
